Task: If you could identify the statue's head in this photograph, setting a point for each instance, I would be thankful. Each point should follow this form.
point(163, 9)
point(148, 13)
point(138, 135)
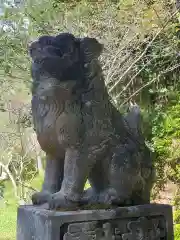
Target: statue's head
point(53, 46)
point(58, 56)
point(63, 57)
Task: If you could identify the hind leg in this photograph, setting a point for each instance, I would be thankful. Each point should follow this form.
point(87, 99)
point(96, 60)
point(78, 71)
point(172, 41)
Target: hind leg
point(100, 191)
point(143, 196)
point(52, 180)
point(98, 182)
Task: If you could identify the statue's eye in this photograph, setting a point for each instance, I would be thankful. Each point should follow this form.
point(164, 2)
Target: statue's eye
point(46, 40)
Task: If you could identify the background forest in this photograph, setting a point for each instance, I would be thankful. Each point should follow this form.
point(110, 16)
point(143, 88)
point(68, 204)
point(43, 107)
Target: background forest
point(141, 63)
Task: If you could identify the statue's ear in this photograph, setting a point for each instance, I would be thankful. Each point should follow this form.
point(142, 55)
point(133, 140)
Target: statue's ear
point(92, 46)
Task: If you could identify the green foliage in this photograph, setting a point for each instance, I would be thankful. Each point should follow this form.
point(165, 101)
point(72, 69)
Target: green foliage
point(177, 232)
point(177, 217)
point(177, 198)
point(166, 141)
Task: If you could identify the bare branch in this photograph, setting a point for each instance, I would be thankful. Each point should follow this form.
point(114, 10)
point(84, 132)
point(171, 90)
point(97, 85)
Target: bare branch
point(125, 88)
point(144, 52)
point(11, 178)
point(149, 83)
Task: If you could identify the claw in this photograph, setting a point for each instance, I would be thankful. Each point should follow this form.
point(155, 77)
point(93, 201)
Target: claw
point(39, 198)
point(59, 200)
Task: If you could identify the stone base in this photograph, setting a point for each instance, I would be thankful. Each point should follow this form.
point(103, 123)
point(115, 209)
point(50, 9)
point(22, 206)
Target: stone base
point(145, 222)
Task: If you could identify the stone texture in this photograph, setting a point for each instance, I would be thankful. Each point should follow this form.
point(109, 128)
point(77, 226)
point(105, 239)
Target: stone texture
point(145, 222)
point(82, 133)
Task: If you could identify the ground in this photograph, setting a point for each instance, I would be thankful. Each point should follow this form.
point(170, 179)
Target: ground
point(8, 211)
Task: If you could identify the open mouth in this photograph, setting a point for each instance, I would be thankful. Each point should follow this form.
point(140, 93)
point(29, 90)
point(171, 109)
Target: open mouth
point(53, 46)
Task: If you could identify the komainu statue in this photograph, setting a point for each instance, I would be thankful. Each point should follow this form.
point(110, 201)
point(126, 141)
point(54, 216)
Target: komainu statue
point(83, 135)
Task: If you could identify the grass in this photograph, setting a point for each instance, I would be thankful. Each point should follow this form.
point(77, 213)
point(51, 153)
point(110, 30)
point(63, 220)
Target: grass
point(177, 232)
point(8, 223)
point(8, 213)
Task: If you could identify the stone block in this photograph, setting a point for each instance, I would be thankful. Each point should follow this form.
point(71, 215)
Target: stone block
point(144, 222)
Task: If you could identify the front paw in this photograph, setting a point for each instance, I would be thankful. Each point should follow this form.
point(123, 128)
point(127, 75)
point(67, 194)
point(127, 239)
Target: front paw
point(39, 198)
point(59, 200)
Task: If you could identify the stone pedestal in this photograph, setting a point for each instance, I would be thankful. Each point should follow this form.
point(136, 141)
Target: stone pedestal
point(145, 222)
